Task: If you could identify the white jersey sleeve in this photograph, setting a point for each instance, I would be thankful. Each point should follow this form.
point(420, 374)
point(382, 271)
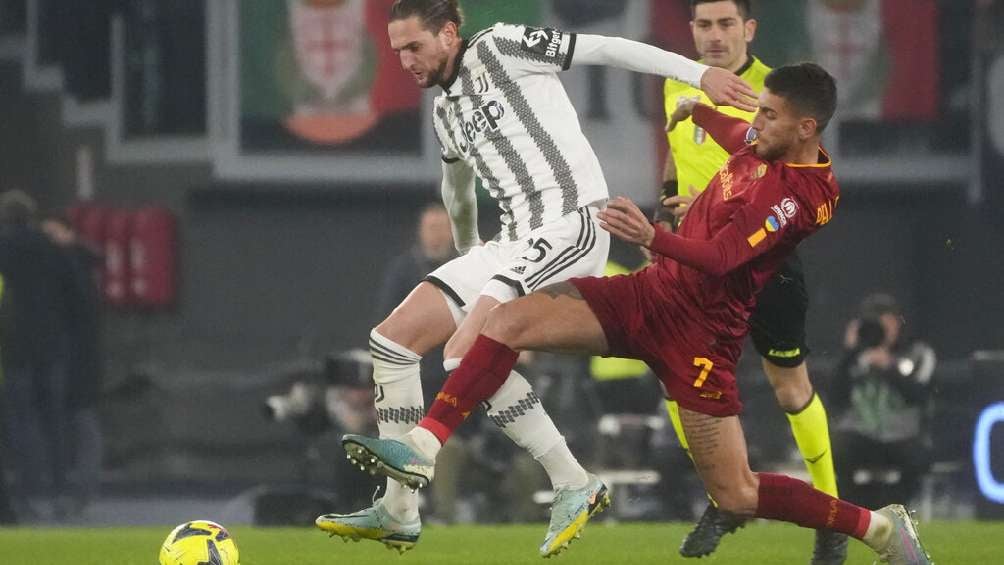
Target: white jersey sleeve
point(638, 57)
point(532, 50)
point(447, 152)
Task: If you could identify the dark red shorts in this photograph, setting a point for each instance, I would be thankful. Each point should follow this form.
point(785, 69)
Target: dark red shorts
point(695, 367)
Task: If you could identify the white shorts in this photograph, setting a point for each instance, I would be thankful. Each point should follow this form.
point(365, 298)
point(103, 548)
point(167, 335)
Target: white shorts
point(573, 246)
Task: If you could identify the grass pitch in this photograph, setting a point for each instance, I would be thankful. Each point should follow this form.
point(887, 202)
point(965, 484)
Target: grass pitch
point(950, 543)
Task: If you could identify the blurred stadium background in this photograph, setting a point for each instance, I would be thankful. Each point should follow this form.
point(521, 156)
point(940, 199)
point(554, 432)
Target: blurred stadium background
point(270, 160)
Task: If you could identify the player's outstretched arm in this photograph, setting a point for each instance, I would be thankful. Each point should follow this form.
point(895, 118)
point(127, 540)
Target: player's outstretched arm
point(721, 85)
point(461, 203)
point(728, 131)
point(724, 252)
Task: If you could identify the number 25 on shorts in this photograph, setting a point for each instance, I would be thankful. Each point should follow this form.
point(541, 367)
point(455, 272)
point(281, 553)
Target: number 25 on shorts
point(706, 365)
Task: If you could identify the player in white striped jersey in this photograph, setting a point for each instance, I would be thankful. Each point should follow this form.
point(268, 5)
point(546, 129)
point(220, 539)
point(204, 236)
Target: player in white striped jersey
point(505, 117)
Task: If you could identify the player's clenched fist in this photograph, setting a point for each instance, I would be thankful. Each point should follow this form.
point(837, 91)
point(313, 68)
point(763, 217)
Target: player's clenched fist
point(724, 87)
point(624, 219)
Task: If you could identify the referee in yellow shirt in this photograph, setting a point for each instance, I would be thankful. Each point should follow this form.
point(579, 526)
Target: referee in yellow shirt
point(722, 32)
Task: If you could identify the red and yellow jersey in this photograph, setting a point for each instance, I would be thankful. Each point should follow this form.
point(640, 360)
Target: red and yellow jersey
point(697, 156)
point(749, 219)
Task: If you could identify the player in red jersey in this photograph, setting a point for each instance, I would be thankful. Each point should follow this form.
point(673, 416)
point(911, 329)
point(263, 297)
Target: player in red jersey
point(686, 316)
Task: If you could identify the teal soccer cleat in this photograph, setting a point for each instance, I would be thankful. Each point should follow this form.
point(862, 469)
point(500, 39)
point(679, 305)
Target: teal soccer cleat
point(389, 457)
point(373, 523)
point(571, 510)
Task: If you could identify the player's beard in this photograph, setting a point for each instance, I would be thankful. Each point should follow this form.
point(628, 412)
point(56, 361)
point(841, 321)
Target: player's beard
point(435, 77)
point(771, 151)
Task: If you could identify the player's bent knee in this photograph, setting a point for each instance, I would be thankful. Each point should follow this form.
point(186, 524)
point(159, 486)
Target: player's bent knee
point(395, 332)
point(505, 324)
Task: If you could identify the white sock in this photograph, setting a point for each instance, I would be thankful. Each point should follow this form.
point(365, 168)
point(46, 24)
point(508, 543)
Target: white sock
point(424, 441)
point(563, 468)
point(399, 407)
point(878, 532)
point(517, 410)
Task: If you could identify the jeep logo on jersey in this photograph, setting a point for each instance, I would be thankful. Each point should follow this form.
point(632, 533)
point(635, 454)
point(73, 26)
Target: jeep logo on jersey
point(485, 119)
point(542, 41)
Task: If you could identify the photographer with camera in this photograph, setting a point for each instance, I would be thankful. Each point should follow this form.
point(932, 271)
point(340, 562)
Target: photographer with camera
point(880, 393)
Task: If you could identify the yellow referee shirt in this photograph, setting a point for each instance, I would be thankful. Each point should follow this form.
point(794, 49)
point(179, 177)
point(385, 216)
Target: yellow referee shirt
point(696, 155)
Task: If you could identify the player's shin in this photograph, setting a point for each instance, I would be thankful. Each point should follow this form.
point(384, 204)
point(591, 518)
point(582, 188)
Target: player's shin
point(399, 407)
point(783, 498)
point(517, 410)
point(482, 372)
point(811, 431)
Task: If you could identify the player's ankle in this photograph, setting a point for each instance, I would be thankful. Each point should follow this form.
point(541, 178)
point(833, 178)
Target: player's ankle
point(423, 441)
point(400, 503)
point(878, 532)
point(562, 468)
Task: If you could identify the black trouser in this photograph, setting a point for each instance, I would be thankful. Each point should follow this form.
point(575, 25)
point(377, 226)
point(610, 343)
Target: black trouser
point(856, 452)
point(777, 324)
point(7, 515)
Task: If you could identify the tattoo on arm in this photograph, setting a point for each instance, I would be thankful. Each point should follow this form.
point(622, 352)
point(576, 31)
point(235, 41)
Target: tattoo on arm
point(564, 288)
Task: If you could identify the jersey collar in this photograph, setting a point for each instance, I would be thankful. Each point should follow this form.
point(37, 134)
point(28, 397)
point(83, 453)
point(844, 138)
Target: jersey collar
point(750, 59)
point(456, 68)
point(823, 161)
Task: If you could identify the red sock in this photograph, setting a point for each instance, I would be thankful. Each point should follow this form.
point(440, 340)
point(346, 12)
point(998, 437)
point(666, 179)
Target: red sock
point(791, 500)
point(481, 373)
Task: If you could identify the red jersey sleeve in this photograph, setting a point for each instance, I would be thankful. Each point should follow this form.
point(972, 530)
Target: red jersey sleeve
point(753, 230)
point(727, 131)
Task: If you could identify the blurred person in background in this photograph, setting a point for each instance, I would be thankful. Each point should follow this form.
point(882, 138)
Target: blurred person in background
point(880, 392)
point(7, 515)
point(433, 246)
point(83, 368)
point(42, 298)
point(723, 30)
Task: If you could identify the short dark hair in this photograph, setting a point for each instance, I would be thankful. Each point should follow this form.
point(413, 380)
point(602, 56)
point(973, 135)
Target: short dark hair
point(434, 14)
point(808, 87)
point(745, 6)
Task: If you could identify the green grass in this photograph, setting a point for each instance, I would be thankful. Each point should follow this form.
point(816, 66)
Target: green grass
point(950, 543)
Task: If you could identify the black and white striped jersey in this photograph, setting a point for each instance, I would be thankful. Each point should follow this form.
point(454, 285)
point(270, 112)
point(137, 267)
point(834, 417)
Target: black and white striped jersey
point(507, 115)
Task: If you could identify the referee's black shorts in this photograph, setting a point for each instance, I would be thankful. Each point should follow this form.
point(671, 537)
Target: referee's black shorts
point(777, 324)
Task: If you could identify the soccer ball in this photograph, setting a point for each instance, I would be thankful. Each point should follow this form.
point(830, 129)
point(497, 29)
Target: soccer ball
point(199, 542)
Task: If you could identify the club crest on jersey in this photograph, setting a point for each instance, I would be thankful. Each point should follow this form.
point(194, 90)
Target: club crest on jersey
point(542, 41)
point(484, 119)
point(761, 171)
point(751, 136)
